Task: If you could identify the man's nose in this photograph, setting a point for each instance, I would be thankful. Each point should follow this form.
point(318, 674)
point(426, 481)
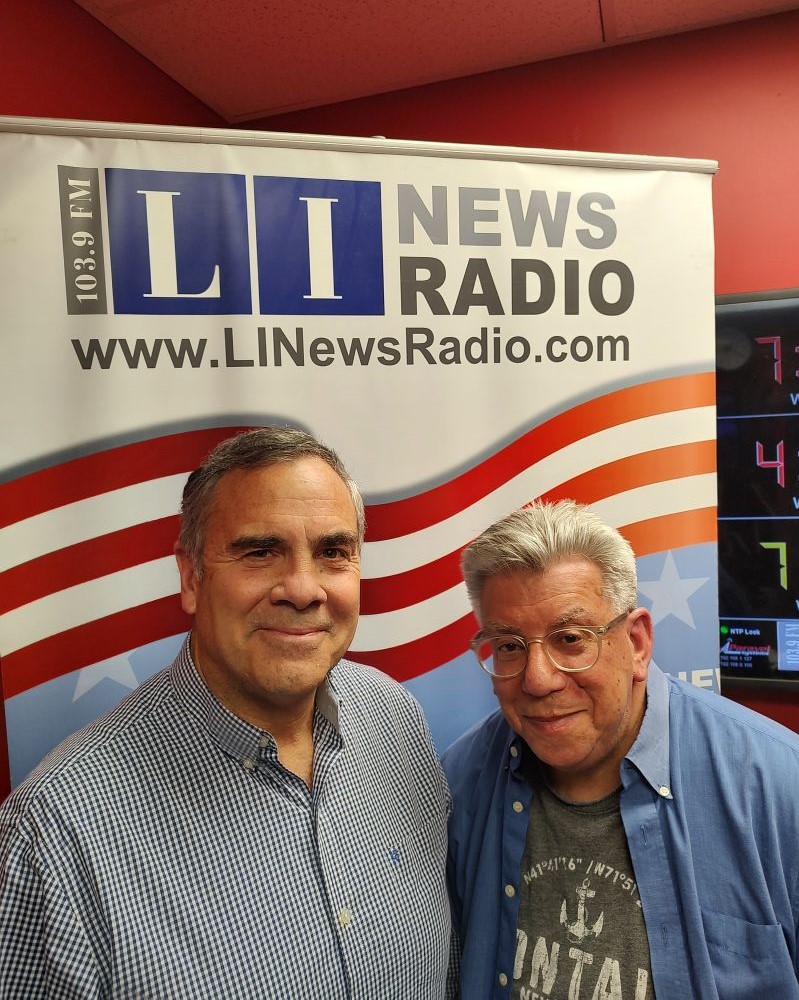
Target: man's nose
point(540, 676)
point(299, 583)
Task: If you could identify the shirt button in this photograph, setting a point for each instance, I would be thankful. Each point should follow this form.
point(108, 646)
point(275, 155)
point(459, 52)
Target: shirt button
point(664, 791)
point(503, 979)
point(264, 741)
point(510, 892)
point(248, 763)
point(345, 917)
point(514, 752)
point(518, 807)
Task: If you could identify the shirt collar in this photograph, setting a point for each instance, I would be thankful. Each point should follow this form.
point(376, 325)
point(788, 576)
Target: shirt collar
point(515, 750)
point(328, 699)
point(650, 751)
point(239, 739)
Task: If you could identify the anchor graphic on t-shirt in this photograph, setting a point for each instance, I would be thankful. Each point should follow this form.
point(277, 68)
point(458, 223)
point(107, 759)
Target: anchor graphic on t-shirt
point(579, 930)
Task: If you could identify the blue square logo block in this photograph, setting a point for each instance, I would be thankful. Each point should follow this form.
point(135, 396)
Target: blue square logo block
point(178, 242)
point(320, 247)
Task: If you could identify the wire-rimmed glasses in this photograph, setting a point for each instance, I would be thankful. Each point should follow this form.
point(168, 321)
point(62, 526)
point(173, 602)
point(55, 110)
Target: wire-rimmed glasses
point(572, 648)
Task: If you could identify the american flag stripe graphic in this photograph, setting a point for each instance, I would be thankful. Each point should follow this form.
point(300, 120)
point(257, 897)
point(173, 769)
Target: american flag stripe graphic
point(86, 570)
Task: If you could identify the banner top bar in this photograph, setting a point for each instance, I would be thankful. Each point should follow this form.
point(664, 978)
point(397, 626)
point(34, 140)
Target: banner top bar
point(351, 144)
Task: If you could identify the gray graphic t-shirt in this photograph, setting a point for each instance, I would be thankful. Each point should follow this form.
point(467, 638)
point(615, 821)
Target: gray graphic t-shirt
point(581, 933)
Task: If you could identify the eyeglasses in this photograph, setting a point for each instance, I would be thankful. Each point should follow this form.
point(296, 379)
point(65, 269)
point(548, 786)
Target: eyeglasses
point(571, 649)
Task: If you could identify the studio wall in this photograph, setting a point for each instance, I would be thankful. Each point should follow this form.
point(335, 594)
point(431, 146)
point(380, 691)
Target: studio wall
point(729, 94)
point(59, 62)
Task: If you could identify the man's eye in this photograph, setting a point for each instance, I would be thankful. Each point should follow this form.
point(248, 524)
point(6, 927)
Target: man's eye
point(508, 647)
point(259, 553)
point(334, 552)
point(570, 638)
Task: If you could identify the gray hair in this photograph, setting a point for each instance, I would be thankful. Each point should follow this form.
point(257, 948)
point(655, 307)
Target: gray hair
point(254, 449)
point(542, 534)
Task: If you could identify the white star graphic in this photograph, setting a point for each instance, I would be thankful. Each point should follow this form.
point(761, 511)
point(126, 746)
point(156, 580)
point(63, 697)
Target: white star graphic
point(669, 594)
point(116, 669)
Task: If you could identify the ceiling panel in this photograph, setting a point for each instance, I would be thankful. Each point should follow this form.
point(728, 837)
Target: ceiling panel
point(248, 59)
point(635, 19)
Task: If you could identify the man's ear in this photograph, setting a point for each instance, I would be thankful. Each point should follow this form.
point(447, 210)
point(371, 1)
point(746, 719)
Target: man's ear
point(641, 635)
point(189, 581)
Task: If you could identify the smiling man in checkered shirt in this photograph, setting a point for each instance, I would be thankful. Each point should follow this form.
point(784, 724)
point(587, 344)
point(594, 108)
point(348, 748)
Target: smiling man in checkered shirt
point(263, 818)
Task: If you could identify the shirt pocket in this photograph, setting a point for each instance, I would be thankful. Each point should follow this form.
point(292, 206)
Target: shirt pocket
point(749, 960)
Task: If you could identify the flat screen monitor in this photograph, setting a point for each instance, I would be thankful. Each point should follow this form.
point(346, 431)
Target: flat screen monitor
point(757, 378)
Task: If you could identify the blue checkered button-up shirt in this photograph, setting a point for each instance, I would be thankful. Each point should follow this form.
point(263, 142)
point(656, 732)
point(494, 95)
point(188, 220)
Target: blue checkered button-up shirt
point(164, 852)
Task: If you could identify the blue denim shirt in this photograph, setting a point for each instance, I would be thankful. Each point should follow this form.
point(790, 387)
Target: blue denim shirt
point(710, 805)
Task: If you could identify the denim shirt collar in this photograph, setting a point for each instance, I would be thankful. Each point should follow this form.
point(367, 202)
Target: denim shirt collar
point(650, 751)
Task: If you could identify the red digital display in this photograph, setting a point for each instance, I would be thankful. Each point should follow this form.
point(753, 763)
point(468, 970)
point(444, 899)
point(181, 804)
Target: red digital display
point(757, 378)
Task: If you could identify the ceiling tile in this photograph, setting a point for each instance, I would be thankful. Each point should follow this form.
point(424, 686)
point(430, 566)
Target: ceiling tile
point(636, 19)
point(248, 59)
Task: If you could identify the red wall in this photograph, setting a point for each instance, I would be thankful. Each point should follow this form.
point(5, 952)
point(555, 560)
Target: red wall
point(730, 94)
point(59, 62)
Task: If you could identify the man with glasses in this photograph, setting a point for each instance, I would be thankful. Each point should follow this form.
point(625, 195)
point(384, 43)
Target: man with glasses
point(616, 832)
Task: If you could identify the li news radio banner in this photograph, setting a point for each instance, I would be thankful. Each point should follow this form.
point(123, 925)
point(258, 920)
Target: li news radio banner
point(470, 327)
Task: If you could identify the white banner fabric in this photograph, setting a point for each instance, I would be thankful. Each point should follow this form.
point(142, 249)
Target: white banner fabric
point(469, 327)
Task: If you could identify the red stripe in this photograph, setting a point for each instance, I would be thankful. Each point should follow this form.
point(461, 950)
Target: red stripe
point(92, 643)
point(672, 531)
point(99, 640)
point(430, 651)
point(402, 517)
point(418, 657)
point(657, 466)
point(387, 593)
point(118, 550)
point(87, 560)
point(382, 594)
point(106, 470)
